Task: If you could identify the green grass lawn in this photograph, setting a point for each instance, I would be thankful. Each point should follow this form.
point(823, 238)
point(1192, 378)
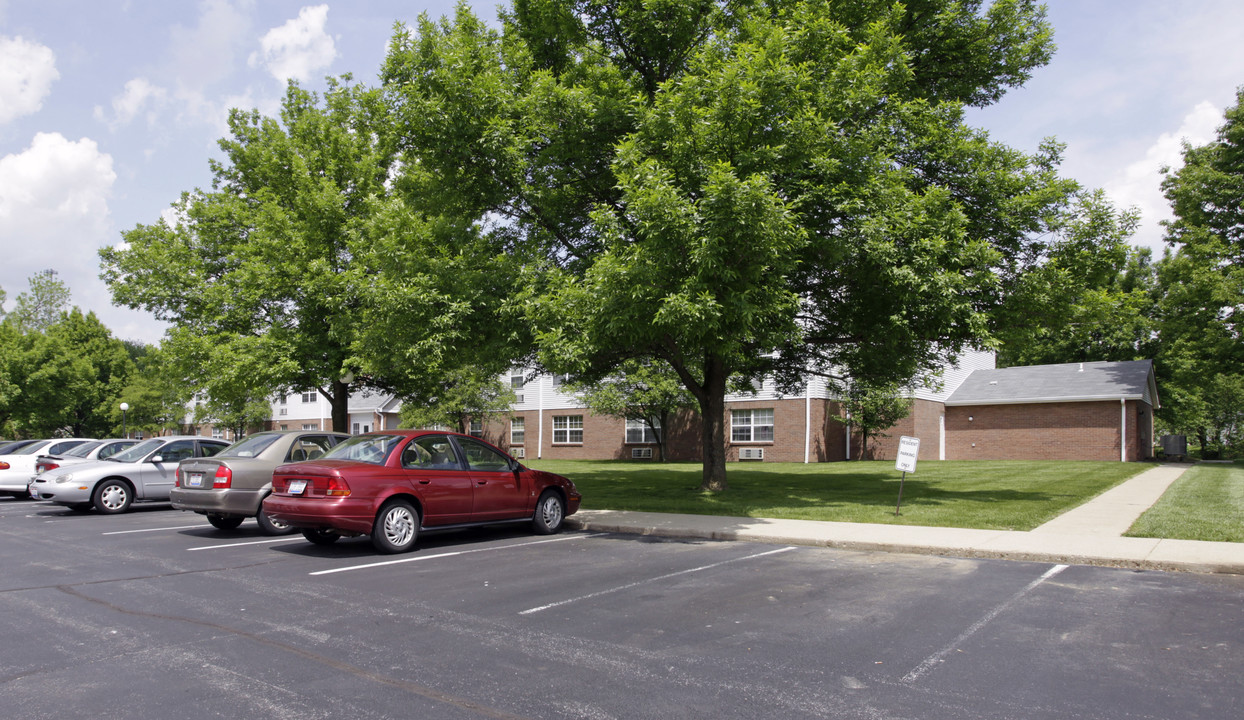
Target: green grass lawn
point(1004, 495)
point(1205, 503)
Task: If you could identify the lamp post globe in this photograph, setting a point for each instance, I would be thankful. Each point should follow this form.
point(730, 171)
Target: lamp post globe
point(124, 408)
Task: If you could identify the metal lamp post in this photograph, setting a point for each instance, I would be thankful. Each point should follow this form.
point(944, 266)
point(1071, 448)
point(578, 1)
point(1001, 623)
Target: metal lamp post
point(124, 407)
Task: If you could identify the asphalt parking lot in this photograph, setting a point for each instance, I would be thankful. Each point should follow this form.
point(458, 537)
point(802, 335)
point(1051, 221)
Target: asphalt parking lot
point(154, 614)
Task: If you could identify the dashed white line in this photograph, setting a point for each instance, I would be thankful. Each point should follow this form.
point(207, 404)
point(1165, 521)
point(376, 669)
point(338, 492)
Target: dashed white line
point(265, 541)
point(448, 554)
point(179, 527)
point(628, 586)
point(937, 657)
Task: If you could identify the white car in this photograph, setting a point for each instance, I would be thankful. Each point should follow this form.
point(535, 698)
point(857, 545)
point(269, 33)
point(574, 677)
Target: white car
point(144, 473)
point(18, 467)
point(86, 452)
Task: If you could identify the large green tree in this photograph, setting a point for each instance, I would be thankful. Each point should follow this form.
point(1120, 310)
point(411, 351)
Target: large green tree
point(1201, 362)
point(73, 377)
point(262, 269)
point(705, 183)
point(1090, 295)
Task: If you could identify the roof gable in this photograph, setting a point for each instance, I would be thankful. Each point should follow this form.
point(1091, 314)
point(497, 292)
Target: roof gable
point(1067, 382)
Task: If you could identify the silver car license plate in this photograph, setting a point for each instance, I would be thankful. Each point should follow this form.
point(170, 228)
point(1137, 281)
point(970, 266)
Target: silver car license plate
point(195, 479)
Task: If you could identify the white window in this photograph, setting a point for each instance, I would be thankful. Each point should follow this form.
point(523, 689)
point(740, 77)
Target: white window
point(567, 429)
point(310, 426)
point(518, 432)
point(751, 425)
point(354, 429)
point(638, 432)
point(477, 429)
point(217, 433)
point(309, 396)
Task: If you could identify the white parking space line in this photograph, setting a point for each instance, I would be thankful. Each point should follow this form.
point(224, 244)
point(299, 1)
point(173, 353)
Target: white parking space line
point(938, 656)
point(628, 586)
point(159, 529)
point(449, 554)
point(265, 541)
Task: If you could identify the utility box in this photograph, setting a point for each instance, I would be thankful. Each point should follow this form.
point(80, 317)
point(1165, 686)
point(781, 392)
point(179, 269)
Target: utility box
point(1174, 446)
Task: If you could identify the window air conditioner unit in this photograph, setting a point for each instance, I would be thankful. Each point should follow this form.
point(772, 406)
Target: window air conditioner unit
point(518, 453)
point(641, 453)
point(751, 453)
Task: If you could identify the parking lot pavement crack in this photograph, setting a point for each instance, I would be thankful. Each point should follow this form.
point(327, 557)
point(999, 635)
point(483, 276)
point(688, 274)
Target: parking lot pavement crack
point(362, 673)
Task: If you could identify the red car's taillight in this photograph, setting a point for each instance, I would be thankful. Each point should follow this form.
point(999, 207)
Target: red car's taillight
point(224, 477)
point(336, 487)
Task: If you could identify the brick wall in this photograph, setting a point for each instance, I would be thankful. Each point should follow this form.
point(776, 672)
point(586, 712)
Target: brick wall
point(1047, 431)
point(924, 422)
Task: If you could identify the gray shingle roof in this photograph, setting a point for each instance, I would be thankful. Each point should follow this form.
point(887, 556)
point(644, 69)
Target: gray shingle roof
point(1069, 382)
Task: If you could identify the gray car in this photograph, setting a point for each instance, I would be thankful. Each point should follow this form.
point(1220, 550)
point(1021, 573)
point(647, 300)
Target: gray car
point(231, 485)
point(144, 473)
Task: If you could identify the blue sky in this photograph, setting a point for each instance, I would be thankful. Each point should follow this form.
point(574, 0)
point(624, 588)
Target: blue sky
point(109, 109)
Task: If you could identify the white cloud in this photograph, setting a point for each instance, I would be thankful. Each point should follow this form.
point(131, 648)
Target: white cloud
point(298, 48)
point(27, 71)
point(139, 96)
point(1139, 183)
point(54, 199)
point(56, 191)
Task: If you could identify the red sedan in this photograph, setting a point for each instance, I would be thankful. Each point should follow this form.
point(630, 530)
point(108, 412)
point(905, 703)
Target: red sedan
point(393, 483)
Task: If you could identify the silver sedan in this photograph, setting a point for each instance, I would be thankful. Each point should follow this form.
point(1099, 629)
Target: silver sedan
point(143, 473)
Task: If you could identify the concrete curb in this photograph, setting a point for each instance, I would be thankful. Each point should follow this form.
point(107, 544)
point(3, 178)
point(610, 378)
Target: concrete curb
point(1121, 552)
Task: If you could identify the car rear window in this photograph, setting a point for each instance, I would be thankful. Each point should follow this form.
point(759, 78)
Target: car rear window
point(249, 447)
point(373, 449)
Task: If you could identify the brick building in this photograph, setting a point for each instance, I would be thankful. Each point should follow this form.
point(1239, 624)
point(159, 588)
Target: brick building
point(765, 426)
point(1073, 411)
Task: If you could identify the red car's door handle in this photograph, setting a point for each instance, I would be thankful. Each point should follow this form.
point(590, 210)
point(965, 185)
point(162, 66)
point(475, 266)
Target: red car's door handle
point(424, 482)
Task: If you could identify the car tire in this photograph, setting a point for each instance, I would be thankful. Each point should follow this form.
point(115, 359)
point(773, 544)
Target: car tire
point(268, 526)
point(396, 527)
point(220, 522)
point(319, 536)
point(550, 512)
point(113, 496)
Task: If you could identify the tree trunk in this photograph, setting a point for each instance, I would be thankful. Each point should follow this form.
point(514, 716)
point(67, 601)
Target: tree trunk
point(713, 412)
point(340, 400)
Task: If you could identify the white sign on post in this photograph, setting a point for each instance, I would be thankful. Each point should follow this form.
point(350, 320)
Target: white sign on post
point(908, 449)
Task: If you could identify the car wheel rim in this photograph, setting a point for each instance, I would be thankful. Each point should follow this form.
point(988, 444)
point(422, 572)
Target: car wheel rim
point(399, 526)
point(113, 497)
point(551, 512)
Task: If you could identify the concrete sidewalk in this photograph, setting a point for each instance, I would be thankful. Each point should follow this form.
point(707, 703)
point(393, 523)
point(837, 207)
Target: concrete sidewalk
point(1087, 535)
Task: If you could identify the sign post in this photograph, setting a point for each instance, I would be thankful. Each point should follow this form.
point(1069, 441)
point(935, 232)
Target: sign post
point(908, 450)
